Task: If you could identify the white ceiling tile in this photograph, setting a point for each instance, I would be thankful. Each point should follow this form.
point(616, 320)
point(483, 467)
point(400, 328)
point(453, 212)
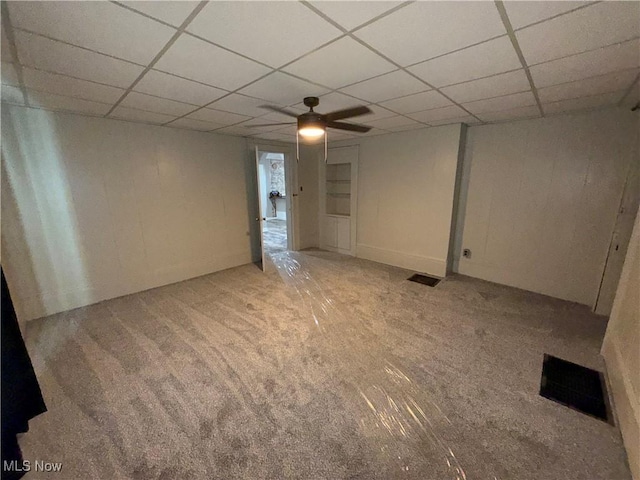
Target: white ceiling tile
point(506, 102)
point(352, 14)
point(384, 87)
point(229, 131)
point(633, 97)
point(240, 104)
point(372, 133)
point(12, 94)
point(337, 136)
point(611, 82)
point(377, 113)
point(203, 62)
point(67, 104)
point(275, 136)
point(334, 64)
point(281, 117)
point(513, 114)
point(171, 12)
point(282, 89)
point(71, 87)
point(431, 29)
point(5, 51)
point(392, 122)
point(194, 124)
point(489, 58)
point(267, 125)
point(218, 116)
point(150, 103)
point(287, 129)
point(583, 103)
point(9, 74)
point(140, 115)
point(406, 128)
point(176, 88)
point(589, 64)
point(100, 26)
point(45, 54)
point(505, 83)
point(522, 14)
point(468, 119)
point(437, 114)
point(417, 102)
point(271, 32)
point(238, 130)
point(598, 25)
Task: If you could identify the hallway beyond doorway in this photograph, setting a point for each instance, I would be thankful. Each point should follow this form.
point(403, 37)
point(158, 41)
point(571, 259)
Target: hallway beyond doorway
point(275, 235)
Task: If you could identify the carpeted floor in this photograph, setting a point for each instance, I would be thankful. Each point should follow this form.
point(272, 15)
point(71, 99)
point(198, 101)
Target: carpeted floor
point(325, 367)
point(275, 235)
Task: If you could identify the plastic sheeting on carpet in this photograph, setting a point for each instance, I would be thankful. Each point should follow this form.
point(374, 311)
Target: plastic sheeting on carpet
point(396, 416)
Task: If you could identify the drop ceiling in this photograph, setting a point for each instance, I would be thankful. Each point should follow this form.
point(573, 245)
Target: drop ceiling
point(209, 66)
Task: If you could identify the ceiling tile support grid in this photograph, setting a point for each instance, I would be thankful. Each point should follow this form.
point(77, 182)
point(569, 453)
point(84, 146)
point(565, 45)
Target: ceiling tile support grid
point(366, 45)
point(375, 19)
point(629, 90)
point(171, 41)
point(6, 25)
point(279, 69)
point(331, 90)
point(308, 53)
point(514, 41)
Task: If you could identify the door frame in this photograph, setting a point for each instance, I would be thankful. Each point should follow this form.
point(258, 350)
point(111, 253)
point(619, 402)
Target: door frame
point(291, 182)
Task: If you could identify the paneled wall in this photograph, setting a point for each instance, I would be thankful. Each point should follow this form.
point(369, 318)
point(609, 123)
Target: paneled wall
point(539, 200)
point(621, 350)
point(94, 209)
point(308, 204)
point(406, 184)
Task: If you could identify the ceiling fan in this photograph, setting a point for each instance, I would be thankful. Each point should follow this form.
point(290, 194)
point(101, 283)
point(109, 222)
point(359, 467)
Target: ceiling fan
point(313, 125)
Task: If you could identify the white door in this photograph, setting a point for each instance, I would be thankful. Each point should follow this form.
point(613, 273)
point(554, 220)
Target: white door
point(619, 242)
point(260, 219)
point(291, 181)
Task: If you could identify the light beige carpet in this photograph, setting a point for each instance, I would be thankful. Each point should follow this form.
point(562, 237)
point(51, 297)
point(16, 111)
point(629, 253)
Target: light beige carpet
point(326, 367)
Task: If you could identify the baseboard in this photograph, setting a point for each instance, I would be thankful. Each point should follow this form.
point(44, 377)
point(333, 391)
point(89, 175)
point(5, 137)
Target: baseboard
point(517, 279)
point(625, 403)
point(33, 307)
point(417, 263)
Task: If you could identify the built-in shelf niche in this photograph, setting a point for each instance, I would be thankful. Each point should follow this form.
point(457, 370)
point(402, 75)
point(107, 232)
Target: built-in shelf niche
point(338, 189)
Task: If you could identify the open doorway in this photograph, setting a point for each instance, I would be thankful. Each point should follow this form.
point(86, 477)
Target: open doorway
point(273, 190)
point(273, 200)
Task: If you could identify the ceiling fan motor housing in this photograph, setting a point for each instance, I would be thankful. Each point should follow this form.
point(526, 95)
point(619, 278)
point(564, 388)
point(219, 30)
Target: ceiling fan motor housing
point(311, 119)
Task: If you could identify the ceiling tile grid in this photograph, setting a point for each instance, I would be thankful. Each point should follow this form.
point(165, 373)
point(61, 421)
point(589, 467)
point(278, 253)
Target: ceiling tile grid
point(176, 88)
point(256, 29)
point(414, 63)
point(385, 87)
point(99, 26)
point(488, 58)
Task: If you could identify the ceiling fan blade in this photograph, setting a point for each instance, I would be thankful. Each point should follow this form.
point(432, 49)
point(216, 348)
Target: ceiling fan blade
point(269, 124)
point(349, 126)
point(346, 113)
point(280, 110)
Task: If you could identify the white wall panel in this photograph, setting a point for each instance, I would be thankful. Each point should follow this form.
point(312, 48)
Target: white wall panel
point(620, 351)
point(308, 203)
point(539, 200)
point(406, 184)
point(94, 208)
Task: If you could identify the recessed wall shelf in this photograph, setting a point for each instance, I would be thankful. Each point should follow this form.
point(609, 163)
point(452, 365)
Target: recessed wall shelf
point(338, 183)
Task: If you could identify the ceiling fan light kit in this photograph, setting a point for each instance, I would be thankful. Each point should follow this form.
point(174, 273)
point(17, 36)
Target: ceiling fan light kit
point(312, 125)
